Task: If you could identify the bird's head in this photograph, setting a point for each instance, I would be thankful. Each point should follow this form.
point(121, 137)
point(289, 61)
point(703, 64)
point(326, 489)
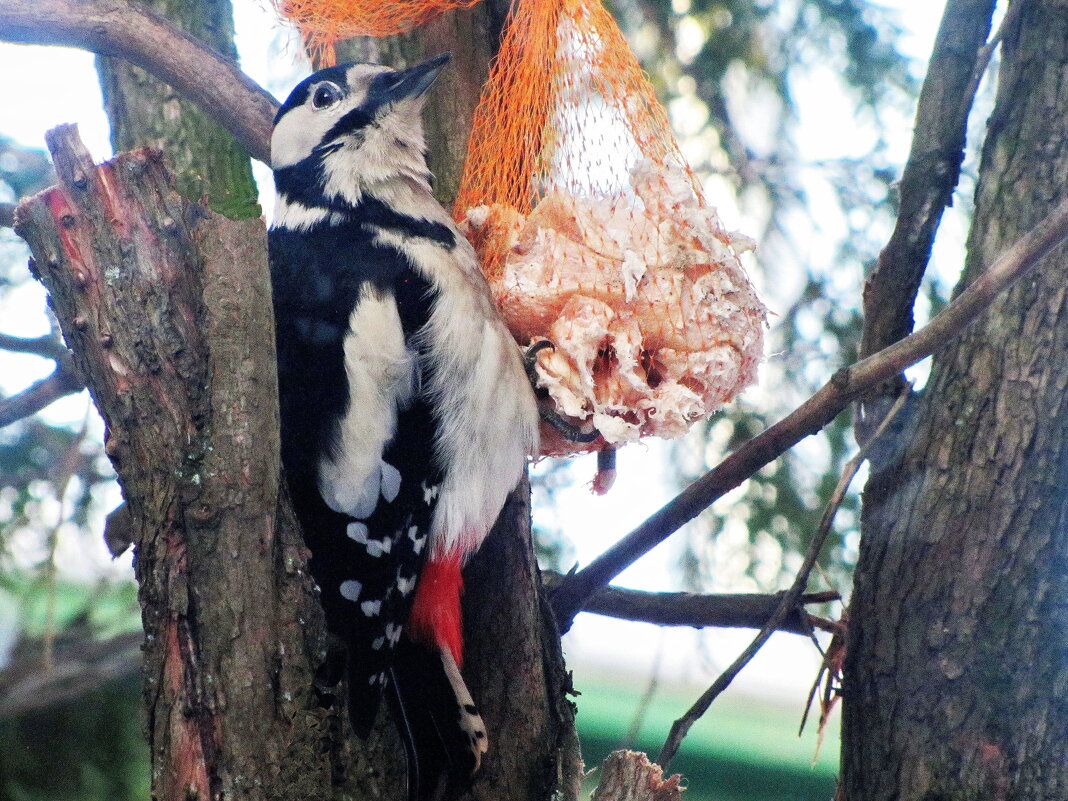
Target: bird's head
point(350, 127)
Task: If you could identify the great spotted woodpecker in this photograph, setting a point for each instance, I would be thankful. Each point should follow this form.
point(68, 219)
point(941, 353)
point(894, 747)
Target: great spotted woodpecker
point(406, 413)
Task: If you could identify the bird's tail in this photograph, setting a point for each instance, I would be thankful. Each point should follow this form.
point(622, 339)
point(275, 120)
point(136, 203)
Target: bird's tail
point(444, 735)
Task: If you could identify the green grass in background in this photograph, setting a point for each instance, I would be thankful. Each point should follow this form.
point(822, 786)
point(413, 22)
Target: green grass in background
point(744, 749)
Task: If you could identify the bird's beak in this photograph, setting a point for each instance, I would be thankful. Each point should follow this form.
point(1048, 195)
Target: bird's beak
point(414, 81)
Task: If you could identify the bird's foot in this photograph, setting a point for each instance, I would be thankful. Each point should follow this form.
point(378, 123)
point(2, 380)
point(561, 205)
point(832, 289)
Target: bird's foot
point(567, 430)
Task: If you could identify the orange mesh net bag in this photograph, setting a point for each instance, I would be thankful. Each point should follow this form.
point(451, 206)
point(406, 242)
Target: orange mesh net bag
point(322, 23)
point(594, 234)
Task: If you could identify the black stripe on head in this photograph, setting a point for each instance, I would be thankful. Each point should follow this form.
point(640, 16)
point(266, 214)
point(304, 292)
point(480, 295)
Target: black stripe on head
point(351, 122)
point(379, 98)
point(299, 95)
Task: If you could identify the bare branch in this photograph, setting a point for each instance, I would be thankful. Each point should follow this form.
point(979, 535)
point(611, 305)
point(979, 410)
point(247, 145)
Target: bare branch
point(48, 346)
point(845, 385)
point(63, 381)
point(789, 599)
point(727, 610)
point(124, 29)
point(930, 174)
point(77, 669)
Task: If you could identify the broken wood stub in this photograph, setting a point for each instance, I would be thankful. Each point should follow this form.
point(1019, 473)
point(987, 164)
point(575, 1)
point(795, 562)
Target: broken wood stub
point(166, 308)
point(630, 776)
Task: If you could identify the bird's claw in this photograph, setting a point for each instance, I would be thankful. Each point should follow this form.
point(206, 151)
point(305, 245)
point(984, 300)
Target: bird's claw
point(530, 359)
point(567, 430)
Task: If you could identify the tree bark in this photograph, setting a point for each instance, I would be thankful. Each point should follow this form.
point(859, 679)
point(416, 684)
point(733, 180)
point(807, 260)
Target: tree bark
point(956, 676)
point(165, 307)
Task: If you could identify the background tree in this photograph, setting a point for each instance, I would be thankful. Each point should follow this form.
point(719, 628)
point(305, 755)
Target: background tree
point(956, 666)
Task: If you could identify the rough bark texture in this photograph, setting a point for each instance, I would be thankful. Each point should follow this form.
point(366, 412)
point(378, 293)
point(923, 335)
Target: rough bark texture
point(145, 111)
point(956, 678)
point(516, 669)
point(167, 310)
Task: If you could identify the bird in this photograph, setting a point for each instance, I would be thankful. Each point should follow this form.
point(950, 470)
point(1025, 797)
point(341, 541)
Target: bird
point(406, 413)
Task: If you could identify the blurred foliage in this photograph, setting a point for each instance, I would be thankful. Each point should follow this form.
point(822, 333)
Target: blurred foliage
point(93, 746)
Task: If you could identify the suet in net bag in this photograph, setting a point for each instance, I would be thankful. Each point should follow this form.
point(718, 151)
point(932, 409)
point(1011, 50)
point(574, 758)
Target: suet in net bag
point(594, 234)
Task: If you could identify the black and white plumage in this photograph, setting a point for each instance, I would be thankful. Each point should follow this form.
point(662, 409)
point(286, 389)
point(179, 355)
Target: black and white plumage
point(406, 414)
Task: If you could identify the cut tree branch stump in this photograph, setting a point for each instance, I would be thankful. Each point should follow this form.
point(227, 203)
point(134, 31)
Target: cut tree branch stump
point(166, 308)
point(630, 776)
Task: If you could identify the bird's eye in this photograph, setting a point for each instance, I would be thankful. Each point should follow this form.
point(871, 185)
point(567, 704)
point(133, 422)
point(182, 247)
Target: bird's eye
point(326, 95)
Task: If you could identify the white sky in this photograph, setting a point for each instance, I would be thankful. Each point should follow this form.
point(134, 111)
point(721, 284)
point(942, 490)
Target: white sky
point(63, 88)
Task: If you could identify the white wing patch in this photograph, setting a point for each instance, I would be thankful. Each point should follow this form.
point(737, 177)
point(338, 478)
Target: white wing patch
point(371, 608)
point(382, 374)
point(391, 481)
point(350, 590)
point(378, 547)
point(357, 532)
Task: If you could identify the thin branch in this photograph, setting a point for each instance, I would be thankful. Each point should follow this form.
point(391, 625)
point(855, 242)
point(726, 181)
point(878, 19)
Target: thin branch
point(641, 711)
point(789, 600)
point(124, 29)
point(931, 172)
point(986, 52)
point(739, 610)
point(64, 470)
point(79, 668)
point(812, 415)
point(48, 346)
point(63, 381)
point(7, 215)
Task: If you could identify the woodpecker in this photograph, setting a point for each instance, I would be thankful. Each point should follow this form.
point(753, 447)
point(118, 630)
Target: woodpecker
point(406, 413)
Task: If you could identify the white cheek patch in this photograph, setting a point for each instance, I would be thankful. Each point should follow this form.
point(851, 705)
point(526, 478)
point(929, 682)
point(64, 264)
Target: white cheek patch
point(298, 133)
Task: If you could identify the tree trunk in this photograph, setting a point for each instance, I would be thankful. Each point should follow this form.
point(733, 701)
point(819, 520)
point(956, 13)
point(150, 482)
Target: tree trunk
point(144, 111)
point(164, 306)
point(956, 676)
